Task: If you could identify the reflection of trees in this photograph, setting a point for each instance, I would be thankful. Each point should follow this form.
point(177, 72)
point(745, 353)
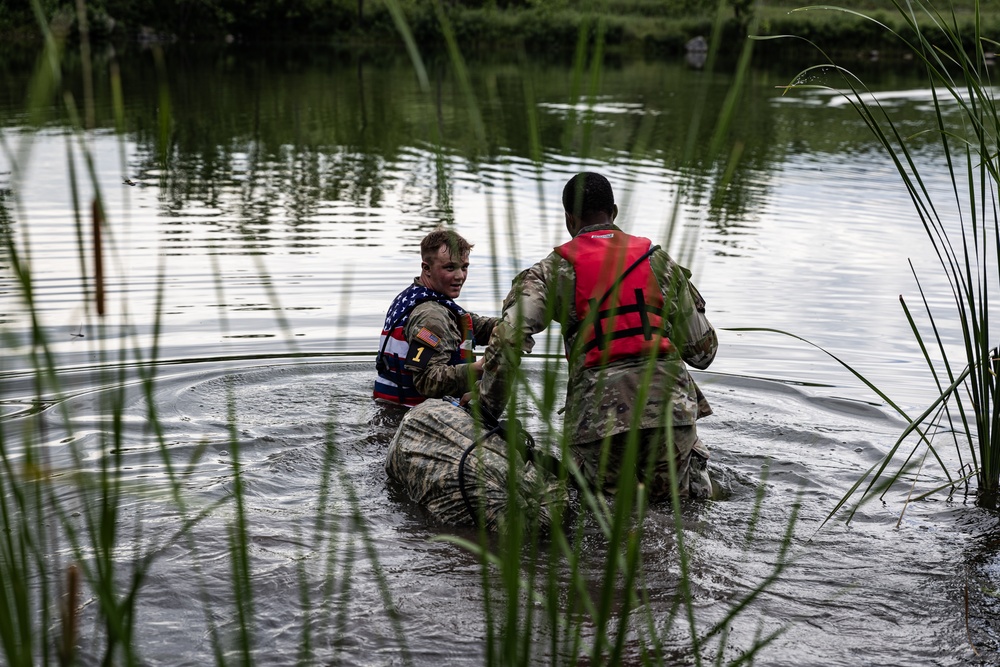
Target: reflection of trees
point(8, 281)
point(5, 224)
point(645, 111)
point(280, 142)
point(739, 187)
point(299, 137)
point(303, 139)
point(250, 189)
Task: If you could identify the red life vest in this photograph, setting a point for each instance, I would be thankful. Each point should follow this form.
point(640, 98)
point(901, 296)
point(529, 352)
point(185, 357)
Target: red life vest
point(619, 304)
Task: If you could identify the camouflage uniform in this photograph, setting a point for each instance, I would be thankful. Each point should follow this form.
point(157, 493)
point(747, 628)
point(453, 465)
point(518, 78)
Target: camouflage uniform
point(605, 403)
point(425, 455)
point(438, 379)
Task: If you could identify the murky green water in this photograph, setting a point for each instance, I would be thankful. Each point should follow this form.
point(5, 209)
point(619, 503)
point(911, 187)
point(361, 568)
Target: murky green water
point(279, 205)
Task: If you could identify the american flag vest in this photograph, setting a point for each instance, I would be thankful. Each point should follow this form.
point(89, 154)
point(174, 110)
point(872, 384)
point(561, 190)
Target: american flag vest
point(619, 304)
point(394, 382)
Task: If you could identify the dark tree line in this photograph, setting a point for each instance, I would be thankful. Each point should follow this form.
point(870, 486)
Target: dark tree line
point(189, 18)
point(283, 19)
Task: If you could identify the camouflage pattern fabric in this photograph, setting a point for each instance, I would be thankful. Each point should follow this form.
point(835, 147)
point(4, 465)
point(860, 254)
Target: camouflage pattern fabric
point(424, 458)
point(690, 458)
point(438, 379)
point(626, 394)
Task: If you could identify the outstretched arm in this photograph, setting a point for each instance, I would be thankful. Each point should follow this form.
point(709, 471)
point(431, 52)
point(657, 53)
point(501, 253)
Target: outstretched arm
point(525, 313)
point(482, 328)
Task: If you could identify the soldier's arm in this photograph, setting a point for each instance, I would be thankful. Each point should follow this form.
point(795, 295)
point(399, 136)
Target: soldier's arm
point(691, 329)
point(701, 342)
point(525, 313)
point(482, 328)
point(433, 336)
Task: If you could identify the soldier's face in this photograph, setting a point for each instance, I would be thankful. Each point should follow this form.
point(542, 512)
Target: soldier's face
point(446, 273)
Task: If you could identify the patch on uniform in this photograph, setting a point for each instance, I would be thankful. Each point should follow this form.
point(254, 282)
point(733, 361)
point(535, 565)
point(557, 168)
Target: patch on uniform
point(429, 337)
point(419, 355)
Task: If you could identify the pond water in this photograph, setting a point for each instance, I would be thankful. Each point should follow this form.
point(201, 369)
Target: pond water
point(276, 203)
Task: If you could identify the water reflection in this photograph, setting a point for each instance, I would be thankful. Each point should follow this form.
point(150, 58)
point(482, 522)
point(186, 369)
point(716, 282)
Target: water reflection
point(321, 171)
point(893, 593)
point(327, 129)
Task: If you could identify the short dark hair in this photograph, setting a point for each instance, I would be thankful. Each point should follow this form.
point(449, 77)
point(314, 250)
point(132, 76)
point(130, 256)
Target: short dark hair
point(588, 193)
point(430, 246)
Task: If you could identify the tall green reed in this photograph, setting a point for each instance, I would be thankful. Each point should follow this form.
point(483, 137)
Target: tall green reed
point(58, 542)
point(964, 231)
point(67, 528)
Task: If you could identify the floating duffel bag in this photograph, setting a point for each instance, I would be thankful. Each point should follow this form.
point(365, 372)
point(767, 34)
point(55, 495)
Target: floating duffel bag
point(456, 467)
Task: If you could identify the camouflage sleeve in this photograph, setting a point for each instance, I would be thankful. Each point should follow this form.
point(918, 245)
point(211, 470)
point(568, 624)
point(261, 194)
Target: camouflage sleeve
point(701, 342)
point(433, 377)
point(482, 328)
point(525, 312)
point(691, 329)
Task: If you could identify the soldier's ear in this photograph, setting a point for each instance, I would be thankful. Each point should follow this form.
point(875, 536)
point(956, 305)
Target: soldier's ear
point(614, 211)
point(424, 266)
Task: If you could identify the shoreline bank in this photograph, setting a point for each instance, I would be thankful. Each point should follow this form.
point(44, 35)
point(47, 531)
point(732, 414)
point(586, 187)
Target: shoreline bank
point(533, 31)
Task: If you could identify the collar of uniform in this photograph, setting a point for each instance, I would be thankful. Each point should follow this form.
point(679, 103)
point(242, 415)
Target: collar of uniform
point(599, 227)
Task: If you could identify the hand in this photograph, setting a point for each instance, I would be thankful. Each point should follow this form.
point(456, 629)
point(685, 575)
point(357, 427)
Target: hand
point(466, 397)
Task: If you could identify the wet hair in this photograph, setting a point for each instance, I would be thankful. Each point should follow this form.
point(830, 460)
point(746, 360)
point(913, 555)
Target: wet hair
point(431, 245)
point(587, 194)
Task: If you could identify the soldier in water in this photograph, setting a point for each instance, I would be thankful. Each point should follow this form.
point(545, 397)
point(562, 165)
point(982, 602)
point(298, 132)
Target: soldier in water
point(631, 321)
point(439, 457)
point(426, 347)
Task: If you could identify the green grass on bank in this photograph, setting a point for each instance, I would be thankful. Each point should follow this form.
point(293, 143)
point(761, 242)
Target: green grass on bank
point(648, 27)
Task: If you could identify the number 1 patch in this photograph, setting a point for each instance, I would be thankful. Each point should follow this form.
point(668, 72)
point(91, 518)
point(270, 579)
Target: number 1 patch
point(419, 355)
point(422, 348)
